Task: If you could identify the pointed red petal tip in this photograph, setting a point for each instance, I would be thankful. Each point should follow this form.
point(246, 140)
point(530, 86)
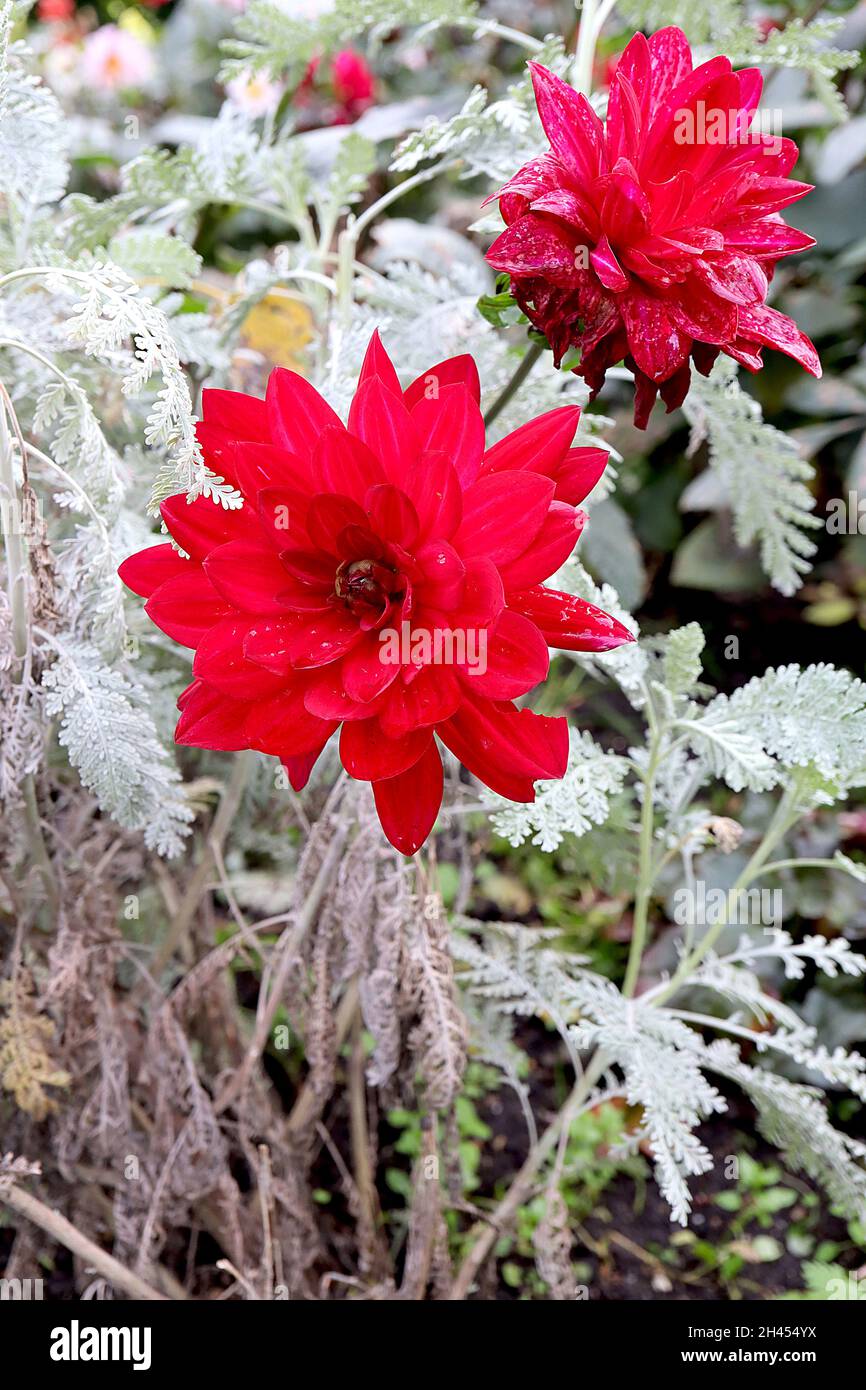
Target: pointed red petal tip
point(378, 363)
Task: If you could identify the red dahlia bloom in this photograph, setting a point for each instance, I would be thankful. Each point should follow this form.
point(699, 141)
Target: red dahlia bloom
point(329, 597)
point(652, 237)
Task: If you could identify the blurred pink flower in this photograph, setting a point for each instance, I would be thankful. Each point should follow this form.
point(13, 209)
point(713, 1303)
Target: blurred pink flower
point(114, 59)
point(852, 823)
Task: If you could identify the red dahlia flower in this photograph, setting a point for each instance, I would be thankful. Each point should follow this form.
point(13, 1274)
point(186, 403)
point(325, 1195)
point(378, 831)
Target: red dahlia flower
point(652, 237)
point(367, 568)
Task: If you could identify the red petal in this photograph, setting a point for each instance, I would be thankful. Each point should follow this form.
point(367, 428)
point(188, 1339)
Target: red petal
point(501, 512)
point(738, 279)
point(625, 213)
point(515, 660)
point(452, 424)
point(147, 569)
point(297, 414)
point(540, 445)
point(326, 698)
point(678, 99)
point(769, 195)
point(248, 576)
point(454, 371)
point(409, 804)
point(767, 237)
point(365, 674)
point(634, 66)
point(572, 207)
point(392, 515)
point(608, 268)
point(508, 749)
point(578, 475)
point(330, 514)
point(267, 642)
point(300, 765)
point(432, 696)
point(244, 417)
point(540, 175)
point(658, 347)
point(283, 725)
point(220, 662)
point(259, 466)
point(550, 549)
point(382, 422)
point(574, 130)
point(378, 363)
point(323, 637)
point(434, 488)
point(443, 574)
point(536, 246)
point(751, 85)
point(568, 622)
point(201, 525)
point(186, 606)
point(670, 61)
point(345, 465)
point(282, 513)
point(367, 754)
point(483, 594)
point(210, 719)
point(310, 567)
point(219, 450)
point(624, 118)
point(767, 325)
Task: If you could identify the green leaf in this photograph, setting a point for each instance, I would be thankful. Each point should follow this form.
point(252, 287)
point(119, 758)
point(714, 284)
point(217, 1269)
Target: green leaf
point(682, 659)
point(148, 254)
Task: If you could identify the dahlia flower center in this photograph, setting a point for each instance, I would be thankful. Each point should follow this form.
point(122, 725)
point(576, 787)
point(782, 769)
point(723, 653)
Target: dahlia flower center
point(367, 586)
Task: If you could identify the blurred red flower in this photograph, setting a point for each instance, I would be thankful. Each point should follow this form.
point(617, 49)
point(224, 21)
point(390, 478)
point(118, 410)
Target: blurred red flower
point(53, 10)
point(652, 237)
point(368, 570)
point(350, 80)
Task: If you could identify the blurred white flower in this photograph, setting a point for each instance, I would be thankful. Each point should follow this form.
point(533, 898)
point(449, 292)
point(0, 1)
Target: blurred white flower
point(253, 93)
point(62, 63)
point(114, 59)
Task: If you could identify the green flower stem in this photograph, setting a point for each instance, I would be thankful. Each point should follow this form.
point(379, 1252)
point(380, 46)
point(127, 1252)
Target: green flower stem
point(778, 864)
point(785, 816)
point(587, 36)
point(17, 572)
point(646, 870)
point(527, 362)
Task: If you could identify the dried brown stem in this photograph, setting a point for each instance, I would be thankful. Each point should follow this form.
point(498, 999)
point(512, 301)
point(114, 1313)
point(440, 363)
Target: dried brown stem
point(226, 812)
point(289, 955)
point(57, 1226)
